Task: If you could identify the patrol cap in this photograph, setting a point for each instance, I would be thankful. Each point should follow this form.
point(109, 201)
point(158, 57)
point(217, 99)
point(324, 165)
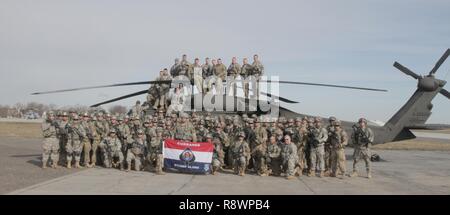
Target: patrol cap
point(332, 118)
point(65, 114)
point(362, 120)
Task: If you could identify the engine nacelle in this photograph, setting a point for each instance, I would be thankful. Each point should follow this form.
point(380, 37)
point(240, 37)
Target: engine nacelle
point(428, 84)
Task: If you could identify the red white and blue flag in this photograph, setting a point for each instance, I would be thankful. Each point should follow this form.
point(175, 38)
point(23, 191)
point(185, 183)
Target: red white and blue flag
point(190, 157)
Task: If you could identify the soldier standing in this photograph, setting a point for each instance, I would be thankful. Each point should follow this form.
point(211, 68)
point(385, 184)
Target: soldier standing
point(62, 136)
point(136, 151)
point(87, 142)
point(257, 72)
point(198, 75)
point(163, 89)
point(74, 147)
point(223, 138)
point(289, 157)
point(301, 145)
point(155, 157)
point(241, 155)
point(259, 148)
point(112, 150)
point(220, 71)
point(338, 140)
point(50, 144)
point(102, 128)
point(274, 156)
point(175, 69)
point(330, 129)
point(186, 67)
point(137, 109)
point(362, 138)
point(317, 136)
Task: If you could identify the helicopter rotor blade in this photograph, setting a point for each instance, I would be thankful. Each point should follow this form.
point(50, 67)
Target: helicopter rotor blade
point(325, 85)
point(276, 97)
point(440, 61)
point(102, 86)
point(445, 93)
point(406, 70)
point(120, 98)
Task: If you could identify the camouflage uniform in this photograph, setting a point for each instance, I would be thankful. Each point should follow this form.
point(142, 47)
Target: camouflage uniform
point(198, 77)
point(155, 147)
point(330, 129)
point(222, 137)
point(87, 142)
point(289, 159)
point(62, 137)
point(274, 158)
point(113, 150)
point(220, 71)
point(338, 140)
point(259, 149)
point(50, 145)
point(241, 154)
point(74, 146)
point(317, 136)
point(218, 155)
point(136, 152)
point(362, 140)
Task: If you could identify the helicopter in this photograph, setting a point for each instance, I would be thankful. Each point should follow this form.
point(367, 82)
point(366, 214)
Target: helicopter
point(412, 115)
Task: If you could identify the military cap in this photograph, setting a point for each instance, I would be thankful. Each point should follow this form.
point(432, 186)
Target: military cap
point(108, 115)
point(94, 118)
point(99, 114)
point(140, 131)
point(76, 117)
point(112, 130)
point(65, 114)
point(254, 116)
point(184, 115)
point(362, 120)
point(50, 113)
point(241, 134)
point(298, 119)
point(337, 123)
point(146, 121)
point(120, 118)
point(159, 129)
point(250, 121)
point(138, 102)
point(317, 119)
point(85, 114)
point(291, 120)
point(244, 115)
point(332, 118)
point(136, 117)
point(113, 118)
point(126, 117)
point(311, 120)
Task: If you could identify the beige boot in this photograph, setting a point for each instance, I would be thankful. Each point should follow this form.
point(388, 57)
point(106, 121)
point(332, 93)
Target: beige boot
point(311, 173)
point(321, 174)
point(44, 165)
point(369, 174)
point(69, 165)
point(354, 174)
point(128, 168)
point(77, 165)
point(290, 177)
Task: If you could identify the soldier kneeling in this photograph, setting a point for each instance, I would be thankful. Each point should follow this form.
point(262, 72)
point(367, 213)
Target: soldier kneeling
point(111, 148)
point(136, 152)
point(241, 154)
point(218, 154)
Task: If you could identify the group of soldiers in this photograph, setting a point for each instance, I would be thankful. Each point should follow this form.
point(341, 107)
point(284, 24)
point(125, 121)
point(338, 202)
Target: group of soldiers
point(205, 77)
point(284, 147)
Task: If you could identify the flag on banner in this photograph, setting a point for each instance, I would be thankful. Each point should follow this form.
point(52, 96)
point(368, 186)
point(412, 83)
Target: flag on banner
point(191, 157)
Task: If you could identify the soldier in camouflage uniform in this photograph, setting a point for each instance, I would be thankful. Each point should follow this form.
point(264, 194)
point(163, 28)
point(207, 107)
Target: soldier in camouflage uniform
point(338, 140)
point(163, 89)
point(87, 142)
point(223, 138)
point(102, 130)
point(289, 157)
point(74, 146)
point(246, 70)
point(330, 129)
point(187, 68)
point(50, 144)
point(220, 71)
point(184, 131)
point(202, 132)
point(302, 133)
point(241, 155)
point(198, 75)
point(234, 70)
point(175, 69)
point(274, 156)
point(362, 140)
point(257, 72)
point(136, 151)
point(317, 136)
point(218, 154)
point(149, 129)
point(259, 149)
point(62, 136)
point(207, 71)
point(154, 156)
point(112, 150)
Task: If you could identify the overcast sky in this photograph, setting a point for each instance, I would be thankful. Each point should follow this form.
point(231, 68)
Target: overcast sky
point(46, 45)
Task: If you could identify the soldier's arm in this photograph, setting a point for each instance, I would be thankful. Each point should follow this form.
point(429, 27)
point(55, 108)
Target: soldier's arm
point(344, 138)
point(324, 136)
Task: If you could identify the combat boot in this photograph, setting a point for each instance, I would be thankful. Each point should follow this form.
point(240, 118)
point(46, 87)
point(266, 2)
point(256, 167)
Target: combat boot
point(121, 166)
point(299, 172)
point(354, 174)
point(290, 177)
point(69, 165)
point(44, 165)
point(311, 173)
point(369, 174)
point(77, 165)
point(54, 165)
point(128, 168)
point(321, 174)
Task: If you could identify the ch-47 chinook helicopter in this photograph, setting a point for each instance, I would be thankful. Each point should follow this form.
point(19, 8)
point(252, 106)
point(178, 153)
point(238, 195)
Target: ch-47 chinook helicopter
point(414, 113)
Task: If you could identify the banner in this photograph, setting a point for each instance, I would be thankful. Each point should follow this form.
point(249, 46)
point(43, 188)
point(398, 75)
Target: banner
point(190, 157)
